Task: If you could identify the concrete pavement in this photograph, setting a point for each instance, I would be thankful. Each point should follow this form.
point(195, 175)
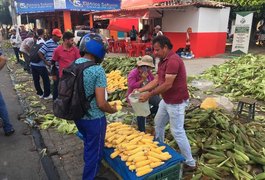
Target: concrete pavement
point(18, 159)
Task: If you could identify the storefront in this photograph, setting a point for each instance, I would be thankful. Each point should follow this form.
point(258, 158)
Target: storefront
point(64, 14)
point(207, 22)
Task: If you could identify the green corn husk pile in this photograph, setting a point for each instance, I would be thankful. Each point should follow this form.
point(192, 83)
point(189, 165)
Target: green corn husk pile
point(124, 64)
point(62, 125)
point(224, 147)
point(242, 76)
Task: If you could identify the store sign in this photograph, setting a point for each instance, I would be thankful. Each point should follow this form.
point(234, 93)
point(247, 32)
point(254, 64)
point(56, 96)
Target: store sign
point(59, 4)
point(92, 5)
point(241, 37)
point(33, 6)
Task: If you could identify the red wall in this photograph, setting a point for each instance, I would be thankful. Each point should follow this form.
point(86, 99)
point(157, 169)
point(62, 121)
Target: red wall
point(202, 44)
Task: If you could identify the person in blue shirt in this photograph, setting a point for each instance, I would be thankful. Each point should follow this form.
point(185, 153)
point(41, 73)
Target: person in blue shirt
point(93, 125)
point(8, 128)
point(133, 34)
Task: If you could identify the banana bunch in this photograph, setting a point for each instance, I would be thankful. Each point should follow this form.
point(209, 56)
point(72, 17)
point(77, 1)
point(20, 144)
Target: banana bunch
point(116, 103)
point(116, 81)
point(137, 149)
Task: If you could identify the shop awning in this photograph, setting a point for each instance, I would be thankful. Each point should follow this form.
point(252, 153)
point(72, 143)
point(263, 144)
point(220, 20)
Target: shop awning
point(123, 24)
point(143, 13)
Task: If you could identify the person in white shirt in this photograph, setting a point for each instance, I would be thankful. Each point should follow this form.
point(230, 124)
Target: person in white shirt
point(158, 31)
point(15, 41)
point(40, 34)
point(25, 49)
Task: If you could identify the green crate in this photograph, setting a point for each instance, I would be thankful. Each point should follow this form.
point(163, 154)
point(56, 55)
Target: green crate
point(171, 173)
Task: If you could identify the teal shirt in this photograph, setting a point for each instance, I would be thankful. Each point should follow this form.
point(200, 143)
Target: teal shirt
point(93, 77)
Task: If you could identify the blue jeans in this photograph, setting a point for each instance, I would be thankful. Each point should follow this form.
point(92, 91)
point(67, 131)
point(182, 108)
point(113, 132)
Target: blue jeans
point(93, 132)
point(37, 72)
point(4, 115)
point(175, 115)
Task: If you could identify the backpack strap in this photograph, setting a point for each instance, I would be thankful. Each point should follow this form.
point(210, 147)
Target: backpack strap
point(80, 68)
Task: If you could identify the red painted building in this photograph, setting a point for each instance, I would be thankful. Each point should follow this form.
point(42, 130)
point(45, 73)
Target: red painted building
point(208, 22)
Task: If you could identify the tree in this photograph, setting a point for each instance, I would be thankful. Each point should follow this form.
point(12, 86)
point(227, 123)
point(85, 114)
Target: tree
point(257, 6)
point(5, 18)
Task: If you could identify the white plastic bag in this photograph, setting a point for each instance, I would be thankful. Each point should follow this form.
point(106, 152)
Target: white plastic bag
point(224, 103)
point(202, 84)
point(140, 108)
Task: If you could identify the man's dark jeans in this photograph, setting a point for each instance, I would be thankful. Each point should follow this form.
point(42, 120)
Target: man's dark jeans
point(55, 85)
point(16, 51)
point(27, 62)
point(37, 72)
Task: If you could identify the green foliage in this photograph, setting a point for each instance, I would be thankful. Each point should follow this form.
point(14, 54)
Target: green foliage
point(244, 2)
point(5, 17)
point(257, 6)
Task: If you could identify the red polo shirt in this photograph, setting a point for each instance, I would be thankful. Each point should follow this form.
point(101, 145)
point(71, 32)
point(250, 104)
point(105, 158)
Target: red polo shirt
point(172, 64)
point(65, 57)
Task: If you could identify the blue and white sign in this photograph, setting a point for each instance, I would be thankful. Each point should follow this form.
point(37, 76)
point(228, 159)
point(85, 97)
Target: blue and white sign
point(92, 5)
point(34, 6)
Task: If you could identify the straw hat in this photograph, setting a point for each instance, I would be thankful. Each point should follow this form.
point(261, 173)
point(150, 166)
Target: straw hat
point(146, 61)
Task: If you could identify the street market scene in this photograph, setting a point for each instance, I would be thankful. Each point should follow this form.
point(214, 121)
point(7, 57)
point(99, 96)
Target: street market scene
point(133, 90)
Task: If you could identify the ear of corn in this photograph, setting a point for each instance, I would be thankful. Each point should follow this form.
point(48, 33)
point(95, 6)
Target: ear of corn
point(137, 149)
point(143, 172)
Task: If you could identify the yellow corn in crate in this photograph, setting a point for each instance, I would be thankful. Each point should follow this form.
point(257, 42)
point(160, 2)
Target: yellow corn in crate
point(138, 150)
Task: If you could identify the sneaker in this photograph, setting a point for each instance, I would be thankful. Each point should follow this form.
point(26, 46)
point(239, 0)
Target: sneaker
point(40, 96)
point(48, 97)
point(187, 168)
point(9, 133)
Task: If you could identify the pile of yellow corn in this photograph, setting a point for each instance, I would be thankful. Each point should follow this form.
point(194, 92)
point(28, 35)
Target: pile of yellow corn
point(118, 104)
point(136, 148)
point(116, 81)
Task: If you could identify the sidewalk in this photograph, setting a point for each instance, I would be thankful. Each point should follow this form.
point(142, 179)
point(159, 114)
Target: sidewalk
point(19, 158)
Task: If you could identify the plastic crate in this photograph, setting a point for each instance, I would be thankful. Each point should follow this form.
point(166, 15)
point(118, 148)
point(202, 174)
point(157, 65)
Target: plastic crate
point(171, 173)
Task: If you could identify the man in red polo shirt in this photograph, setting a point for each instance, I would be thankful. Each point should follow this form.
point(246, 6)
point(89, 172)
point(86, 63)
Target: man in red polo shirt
point(65, 54)
point(171, 83)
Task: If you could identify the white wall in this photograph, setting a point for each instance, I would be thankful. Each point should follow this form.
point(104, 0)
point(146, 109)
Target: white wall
point(199, 19)
point(213, 20)
point(180, 19)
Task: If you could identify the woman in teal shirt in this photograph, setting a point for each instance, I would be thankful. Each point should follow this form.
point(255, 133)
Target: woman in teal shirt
point(93, 125)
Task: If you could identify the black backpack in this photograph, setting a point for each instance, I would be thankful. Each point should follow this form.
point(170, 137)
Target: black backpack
point(33, 53)
point(72, 103)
